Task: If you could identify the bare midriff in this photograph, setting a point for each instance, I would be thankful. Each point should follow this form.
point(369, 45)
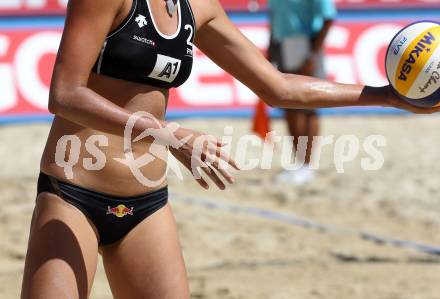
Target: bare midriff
point(115, 177)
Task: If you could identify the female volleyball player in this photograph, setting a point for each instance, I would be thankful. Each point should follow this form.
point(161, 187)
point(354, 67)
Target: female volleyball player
point(118, 57)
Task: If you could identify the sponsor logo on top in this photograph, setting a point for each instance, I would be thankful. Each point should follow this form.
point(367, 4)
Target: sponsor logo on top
point(141, 21)
point(144, 40)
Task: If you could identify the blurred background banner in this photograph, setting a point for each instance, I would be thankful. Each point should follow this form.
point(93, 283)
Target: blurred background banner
point(355, 51)
point(361, 4)
point(32, 7)
point(54, 7)
point(386, 3)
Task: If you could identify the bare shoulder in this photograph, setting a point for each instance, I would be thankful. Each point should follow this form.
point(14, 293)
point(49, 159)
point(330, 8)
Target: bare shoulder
point(205, 10)
point(97, 10)
point(86, 27)
point(96, 5)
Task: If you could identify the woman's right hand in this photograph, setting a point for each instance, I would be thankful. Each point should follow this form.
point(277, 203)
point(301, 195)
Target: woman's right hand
point(392, 100)
point(198, 151)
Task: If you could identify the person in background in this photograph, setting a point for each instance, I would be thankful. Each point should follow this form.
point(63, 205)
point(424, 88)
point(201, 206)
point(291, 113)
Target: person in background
point(298, 32)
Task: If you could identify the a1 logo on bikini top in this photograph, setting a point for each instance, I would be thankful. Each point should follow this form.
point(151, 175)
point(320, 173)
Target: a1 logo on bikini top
point(167, 68)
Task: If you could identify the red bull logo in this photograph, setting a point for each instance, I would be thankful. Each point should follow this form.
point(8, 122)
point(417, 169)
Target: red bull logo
point(120, 211)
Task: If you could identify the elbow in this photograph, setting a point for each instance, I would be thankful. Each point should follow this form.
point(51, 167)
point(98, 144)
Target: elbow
point(58, 101)
point(55, 103)
point(299, 92)
point(281, 95)
point(270, 101)
point(274, 99)
point(274, 95)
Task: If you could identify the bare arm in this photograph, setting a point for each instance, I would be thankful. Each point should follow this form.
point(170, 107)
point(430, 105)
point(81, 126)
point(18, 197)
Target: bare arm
point(87, 25)
point(232, 51)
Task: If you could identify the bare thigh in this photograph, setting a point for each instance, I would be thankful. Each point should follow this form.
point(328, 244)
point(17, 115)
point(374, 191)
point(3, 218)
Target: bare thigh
point(148, 262)
point(62, 252)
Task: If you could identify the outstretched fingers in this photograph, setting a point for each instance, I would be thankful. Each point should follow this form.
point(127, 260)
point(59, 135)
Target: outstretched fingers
point(216, 147)
point(207, 155)
point(197, 164)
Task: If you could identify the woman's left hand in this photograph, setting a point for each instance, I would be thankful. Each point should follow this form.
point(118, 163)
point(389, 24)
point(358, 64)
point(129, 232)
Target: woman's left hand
point(203, 152)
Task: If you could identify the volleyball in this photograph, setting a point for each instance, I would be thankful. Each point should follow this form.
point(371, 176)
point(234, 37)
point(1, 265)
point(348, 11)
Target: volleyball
point(413, 64)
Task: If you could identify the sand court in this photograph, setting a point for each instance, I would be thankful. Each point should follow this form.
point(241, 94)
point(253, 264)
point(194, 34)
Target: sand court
point(233, 245)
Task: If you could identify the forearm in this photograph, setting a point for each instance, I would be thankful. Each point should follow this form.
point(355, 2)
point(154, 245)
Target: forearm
point(85, 107)
point(303, 92)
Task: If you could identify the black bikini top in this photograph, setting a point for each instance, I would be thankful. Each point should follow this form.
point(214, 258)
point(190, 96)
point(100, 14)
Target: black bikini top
point(137, 51)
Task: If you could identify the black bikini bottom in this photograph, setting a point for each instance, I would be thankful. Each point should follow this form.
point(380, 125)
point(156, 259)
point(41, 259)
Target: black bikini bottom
point(113, 216)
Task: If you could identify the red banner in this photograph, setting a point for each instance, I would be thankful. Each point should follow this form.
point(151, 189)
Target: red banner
point(355, 54)
point(49, 7)
point(32, 7)
point(26, 62)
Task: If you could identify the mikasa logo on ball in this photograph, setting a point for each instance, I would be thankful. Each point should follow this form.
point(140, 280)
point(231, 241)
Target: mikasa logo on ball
point(422, 45)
